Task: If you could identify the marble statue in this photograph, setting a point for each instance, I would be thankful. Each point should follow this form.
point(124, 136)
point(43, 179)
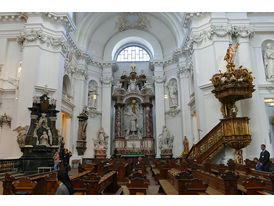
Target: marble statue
point(269, 61)
point(173, 93)
point(101, 142)
point(22, 133)
point(42, 127)
point(92, 94)
point(165, 139)
point(133, 121)
point(44, 139)
point(148, 85)
point(132, 86)
point(118, 84)
point(133, 124)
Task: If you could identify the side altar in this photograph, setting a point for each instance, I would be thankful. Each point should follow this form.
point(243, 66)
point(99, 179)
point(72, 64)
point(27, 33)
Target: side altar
point(41, 140)
point(133, 97)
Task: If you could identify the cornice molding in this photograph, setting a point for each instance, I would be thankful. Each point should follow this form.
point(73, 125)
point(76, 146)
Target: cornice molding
point(30, 37)
point(61, 18)
point(221, 31)
point(13, 17)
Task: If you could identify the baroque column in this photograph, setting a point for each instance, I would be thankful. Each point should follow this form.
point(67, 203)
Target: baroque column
point(148, 123)
point(159, 80)
point(184, 74)
point(118, 120)
point(106, 102)
point(252, 108)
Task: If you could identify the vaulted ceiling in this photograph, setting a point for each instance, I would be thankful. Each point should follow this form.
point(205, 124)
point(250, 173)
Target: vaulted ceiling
point(99, 32)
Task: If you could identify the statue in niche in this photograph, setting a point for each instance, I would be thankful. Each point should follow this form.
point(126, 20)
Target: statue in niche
point(92, 94)
point(101, 141)
point(22, 133)
point(42, 127)
point(165, 139)
point(269, 61)
point(44, 139)
point(173, 93)
point(133, 119)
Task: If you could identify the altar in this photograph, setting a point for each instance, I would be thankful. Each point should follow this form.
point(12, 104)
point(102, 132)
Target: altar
point(133, 97)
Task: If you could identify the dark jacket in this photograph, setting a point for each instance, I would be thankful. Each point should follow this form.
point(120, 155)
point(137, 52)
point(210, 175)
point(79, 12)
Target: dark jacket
point(264, 159)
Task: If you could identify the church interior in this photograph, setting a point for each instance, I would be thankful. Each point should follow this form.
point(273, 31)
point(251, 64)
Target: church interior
point(137, 103)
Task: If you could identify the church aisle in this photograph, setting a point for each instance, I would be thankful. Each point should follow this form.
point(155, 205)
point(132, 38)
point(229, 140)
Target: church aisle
point(153, 187)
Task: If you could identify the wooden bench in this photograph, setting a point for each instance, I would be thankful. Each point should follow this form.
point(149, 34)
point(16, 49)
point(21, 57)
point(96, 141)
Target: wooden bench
point(24, 186)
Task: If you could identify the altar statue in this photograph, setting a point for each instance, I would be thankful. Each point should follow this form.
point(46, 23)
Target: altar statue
point(133, 126)
point(44, 139)
point(132, 86)
point(269, 61)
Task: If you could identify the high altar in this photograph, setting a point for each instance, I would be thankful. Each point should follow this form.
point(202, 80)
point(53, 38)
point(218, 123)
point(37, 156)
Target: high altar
point(133, 97)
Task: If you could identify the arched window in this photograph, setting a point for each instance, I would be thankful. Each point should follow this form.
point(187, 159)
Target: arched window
point(132, 53)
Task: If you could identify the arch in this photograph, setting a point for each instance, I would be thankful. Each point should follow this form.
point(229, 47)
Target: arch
point(133, 44)
point(127, 97)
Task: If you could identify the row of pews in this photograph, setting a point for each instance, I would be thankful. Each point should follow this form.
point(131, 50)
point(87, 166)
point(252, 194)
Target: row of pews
point(190, 178)
point(92, 179)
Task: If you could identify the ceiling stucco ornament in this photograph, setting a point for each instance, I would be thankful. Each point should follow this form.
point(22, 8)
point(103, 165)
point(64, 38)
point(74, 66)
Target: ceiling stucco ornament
point(133, 20)
point(190, 15)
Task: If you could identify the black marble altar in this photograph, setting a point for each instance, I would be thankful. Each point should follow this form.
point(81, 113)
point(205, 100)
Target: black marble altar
point(43, 121)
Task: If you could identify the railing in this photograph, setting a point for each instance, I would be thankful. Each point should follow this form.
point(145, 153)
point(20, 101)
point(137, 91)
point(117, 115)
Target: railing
point(232, 132)
point(8, 164)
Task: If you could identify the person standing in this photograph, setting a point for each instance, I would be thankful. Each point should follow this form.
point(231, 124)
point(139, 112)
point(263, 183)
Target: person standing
point(66, 160)
point(56, 160)
point(264, 159)
point(65, 186)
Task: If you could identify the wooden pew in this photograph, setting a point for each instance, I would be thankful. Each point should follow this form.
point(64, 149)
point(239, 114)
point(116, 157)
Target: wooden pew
point(24, 186)
point(80, 188)
point(138, 184)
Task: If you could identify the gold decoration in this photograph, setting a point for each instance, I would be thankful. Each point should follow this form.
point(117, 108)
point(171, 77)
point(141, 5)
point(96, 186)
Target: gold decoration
point(133, 102)
point(231, 86)
point(133, 66)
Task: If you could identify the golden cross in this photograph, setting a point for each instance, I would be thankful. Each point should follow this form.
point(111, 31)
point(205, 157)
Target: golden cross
point(133, 66)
